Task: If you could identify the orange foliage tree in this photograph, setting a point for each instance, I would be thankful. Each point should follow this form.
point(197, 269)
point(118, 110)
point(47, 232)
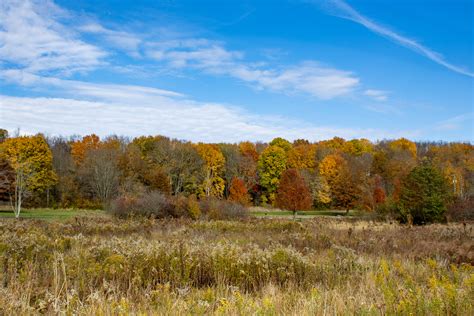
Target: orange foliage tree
point(293, 194)
point(80, 147)
point(238, 192)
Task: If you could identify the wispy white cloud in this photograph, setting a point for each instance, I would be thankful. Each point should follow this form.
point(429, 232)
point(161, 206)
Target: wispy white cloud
point(174, 117)
point(377, 95)
point(86, 107)
point(32, 39)
point(40, 51)
point(457, 122)
point(126, 41)
point(104, 92)
point(342, 9)
point(212, 57)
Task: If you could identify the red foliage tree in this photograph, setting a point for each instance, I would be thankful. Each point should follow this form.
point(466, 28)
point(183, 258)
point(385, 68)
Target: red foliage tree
point(238, 192)
point(293, 194)
point(379, 195)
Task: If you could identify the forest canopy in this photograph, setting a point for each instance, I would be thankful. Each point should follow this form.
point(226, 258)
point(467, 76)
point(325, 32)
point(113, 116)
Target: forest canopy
point(89, 171)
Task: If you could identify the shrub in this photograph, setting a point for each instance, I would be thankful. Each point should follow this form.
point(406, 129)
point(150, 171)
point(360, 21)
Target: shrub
point(462, 209)
point(186, 206)
point(221, 209)
point(193, 209)
point(153, 204)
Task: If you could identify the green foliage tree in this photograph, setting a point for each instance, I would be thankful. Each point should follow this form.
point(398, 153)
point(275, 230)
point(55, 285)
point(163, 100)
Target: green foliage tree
point(424, 195)
point(3, 134)
point(282, 143)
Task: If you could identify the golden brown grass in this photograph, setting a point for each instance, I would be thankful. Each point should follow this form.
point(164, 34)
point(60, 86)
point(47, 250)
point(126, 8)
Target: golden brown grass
point(258, 266)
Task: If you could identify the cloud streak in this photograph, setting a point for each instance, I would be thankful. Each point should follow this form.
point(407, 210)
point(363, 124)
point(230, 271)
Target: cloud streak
point(343, 10)
point(173, 117)
point(212, 57)
point(32, 39)
point(377, 95)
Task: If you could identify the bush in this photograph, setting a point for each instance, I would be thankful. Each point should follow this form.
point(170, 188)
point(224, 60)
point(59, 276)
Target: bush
point(221, 209)
point(152, 204)
point(192, 207)
point(186, 207)
point(462, 209)
point(157, 205)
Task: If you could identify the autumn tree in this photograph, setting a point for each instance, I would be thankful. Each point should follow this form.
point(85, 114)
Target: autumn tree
point(66, 191)
point(393, 161)
point(233, 163)
point(320, 191)
point(293, 194)
point(247, 149)
point(334, 168)
point(156, 179)
point(214, 162)
point(3, 135)
point(238, 192)
point(271, 164)
point(330, 167)
point(357, 147)
point(379, 195)
point(30, 159)
point(248, 166)
point(79, 148)
point(456, 161)
point(302, 156)
point(282, 143)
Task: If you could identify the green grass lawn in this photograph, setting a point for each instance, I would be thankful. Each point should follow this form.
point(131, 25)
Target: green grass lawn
point(63, 214)
point(259, 212)
point(49, 214)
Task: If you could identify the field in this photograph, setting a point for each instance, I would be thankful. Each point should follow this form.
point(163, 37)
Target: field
point(49, 214)
point(95, 264)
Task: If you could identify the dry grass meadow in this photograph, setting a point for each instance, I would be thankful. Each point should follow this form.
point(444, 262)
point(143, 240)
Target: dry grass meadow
point(258, 266)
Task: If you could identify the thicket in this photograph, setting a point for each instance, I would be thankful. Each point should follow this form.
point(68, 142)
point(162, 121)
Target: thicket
point(157, 205)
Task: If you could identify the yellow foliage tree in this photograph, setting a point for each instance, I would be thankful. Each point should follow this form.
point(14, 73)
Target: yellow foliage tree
point(358, 147)
point(214, 161)
point(302, 157)
point(31, 160)
point(403, 144)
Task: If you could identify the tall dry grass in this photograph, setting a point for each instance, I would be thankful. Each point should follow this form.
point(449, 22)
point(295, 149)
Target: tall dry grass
point(264, 267)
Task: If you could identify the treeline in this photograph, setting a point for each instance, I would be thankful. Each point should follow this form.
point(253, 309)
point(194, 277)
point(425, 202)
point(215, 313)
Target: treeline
point(89, 172)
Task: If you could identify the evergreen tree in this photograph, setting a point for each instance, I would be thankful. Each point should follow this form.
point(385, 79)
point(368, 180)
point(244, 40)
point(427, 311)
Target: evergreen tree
point(424, 195)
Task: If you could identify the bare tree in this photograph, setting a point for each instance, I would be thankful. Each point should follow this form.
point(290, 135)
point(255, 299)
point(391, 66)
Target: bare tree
point(101, 173)
point(22, 175)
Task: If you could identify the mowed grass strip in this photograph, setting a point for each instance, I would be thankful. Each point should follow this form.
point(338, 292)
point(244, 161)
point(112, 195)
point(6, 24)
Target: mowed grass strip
point(305, 214)
point(49, 214)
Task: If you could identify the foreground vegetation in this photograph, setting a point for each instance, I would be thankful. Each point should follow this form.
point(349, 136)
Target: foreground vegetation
point(101, 265)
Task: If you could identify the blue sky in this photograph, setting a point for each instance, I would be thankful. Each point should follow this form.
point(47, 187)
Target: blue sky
point(239, 70)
